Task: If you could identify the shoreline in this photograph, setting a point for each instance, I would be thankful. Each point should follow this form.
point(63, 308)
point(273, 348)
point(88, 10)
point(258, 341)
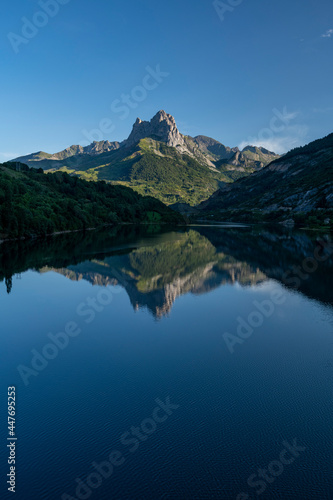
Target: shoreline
point(57, 233)
point(224, 224)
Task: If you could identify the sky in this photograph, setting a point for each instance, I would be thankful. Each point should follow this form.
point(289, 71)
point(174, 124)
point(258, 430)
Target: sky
point(240, 71)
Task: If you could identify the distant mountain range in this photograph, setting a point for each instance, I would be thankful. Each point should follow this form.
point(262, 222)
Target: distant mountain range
point(297, 186)
point(200, 177)
point(158, 160)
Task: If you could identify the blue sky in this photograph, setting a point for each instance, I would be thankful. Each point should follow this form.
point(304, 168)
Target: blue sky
point(261, 72)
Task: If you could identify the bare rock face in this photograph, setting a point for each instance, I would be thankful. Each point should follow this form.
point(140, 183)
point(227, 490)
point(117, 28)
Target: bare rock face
point(95, 148)
point(161, 127)
point(101, 147)
point(238, 156)
point(212, 147)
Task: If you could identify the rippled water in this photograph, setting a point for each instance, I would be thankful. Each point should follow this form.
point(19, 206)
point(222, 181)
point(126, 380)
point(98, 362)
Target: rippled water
point(190, 358)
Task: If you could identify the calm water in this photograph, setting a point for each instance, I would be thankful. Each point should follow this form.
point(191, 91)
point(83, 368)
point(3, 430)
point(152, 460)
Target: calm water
point(192, 359)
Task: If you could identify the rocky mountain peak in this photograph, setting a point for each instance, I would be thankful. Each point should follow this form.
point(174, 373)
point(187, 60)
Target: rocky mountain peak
point(162, 115)
point(162, 127)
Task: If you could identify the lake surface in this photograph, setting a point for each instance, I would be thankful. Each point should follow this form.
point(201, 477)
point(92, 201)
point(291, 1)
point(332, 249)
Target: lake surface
point(183, 363)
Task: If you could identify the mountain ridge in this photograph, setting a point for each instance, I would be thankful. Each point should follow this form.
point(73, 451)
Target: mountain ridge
point(296, 187)
point(164, 149)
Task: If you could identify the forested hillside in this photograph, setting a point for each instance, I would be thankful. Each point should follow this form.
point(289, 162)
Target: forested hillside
point(35, 204)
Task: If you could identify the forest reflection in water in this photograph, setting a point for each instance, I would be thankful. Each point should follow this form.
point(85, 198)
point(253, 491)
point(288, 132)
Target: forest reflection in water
point(156, 265)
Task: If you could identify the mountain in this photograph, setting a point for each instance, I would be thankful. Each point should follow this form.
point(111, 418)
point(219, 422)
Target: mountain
point(44, 159)
point(245, 162)
point(36, 204)
point(212, 147)
point(297, 186)
point(156, 160)
point(259, 154)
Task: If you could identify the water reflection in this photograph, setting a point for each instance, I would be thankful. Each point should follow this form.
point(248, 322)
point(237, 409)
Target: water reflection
point(156, 266)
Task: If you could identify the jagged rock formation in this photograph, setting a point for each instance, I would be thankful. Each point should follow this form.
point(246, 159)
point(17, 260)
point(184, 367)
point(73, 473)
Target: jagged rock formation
point(161, 127)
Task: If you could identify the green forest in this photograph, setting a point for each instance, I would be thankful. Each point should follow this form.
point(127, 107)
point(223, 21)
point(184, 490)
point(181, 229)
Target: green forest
point(36, 204)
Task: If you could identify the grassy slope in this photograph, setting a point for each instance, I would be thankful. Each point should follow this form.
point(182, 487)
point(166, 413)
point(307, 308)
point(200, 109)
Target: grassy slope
point(164, 173)
point(152, 168)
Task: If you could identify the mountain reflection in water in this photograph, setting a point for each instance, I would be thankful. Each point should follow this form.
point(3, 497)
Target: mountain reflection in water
point(156, 266)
